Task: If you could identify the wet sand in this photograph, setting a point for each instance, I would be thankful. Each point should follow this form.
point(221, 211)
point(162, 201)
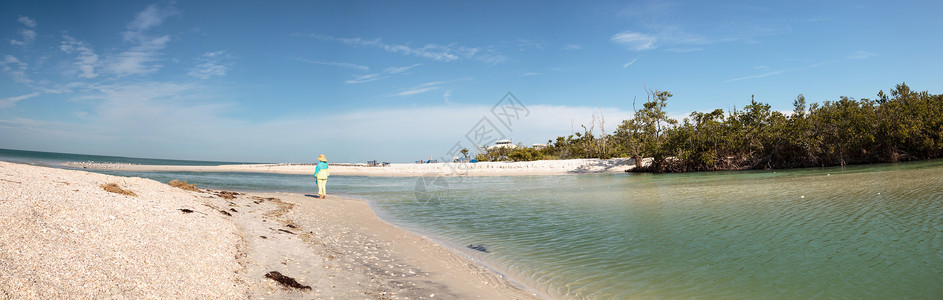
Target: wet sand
point(65, 237)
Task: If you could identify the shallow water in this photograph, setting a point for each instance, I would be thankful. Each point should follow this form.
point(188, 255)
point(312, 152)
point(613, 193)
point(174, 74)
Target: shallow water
point(872, 232)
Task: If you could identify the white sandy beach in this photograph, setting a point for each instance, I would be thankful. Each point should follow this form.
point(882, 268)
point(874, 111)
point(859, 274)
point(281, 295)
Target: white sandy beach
point(64, 237)
point(541, 167)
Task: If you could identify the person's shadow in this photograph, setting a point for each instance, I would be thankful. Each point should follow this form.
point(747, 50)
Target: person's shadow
point(313, 196)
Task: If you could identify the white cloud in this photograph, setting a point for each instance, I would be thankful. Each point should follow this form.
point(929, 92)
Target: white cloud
point(854, 56)
point(27, 35)
point(862, 55)
point(416, 90)
point(626, 65)
point(365, 78)
point(333, 64)
point(152, 16)
point(397, 70)
point(447, 96)
point(211, 64)
point(387, 73)
point(634, 40)
point(10, 101)
point(141, 58)
point(86, 60)
point(525, 74)
point(572, 47)
point(15, 68)
point(437, 52)
point(27, 21)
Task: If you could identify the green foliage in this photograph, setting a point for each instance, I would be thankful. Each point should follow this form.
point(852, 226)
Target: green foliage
point(905, 125)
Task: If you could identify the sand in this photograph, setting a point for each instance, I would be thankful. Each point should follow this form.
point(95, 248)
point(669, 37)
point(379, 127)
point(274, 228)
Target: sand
point(65, 237)
point(541, 167)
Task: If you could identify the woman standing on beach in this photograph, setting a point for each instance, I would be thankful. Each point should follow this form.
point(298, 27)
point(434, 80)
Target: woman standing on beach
point(321, 173)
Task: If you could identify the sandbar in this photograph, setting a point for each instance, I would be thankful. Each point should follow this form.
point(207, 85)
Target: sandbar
point(540, 167)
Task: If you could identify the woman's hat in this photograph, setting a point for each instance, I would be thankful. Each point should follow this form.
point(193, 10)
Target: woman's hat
point(321, 158)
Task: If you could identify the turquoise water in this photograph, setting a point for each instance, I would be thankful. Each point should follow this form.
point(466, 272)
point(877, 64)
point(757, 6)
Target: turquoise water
point(862, 232)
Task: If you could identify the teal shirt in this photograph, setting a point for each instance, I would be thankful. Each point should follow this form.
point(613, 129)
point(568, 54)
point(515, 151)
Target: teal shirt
point(321, 166)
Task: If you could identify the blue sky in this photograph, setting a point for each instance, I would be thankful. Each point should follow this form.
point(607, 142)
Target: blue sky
point(283, 81)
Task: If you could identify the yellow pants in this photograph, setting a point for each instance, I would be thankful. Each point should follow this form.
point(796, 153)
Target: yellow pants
point(322, 184)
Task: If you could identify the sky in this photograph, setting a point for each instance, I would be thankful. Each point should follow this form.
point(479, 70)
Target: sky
point(284, 81)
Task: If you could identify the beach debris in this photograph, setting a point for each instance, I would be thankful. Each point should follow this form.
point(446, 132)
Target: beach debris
point(233, 210)
point(225, 213)
point(478, 247)
point(184, 210)
point(263, 237)
point(114, 188)
point(286, 281)
point(292, 226)
point(183, 185)
point(227, 194)
point(285, 231)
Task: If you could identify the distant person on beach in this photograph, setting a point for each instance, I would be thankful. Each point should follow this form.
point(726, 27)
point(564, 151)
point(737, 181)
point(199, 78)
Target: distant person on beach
point(321, 173)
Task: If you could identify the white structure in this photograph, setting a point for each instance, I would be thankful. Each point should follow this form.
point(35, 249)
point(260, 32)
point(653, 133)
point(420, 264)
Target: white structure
point(501, 144)
point(539, 146)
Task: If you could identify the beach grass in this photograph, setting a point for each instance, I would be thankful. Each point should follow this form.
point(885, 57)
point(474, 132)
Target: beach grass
point(114, 188)
point(183, 185)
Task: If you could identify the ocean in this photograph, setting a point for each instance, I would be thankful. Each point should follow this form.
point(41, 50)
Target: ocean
point(865, 232)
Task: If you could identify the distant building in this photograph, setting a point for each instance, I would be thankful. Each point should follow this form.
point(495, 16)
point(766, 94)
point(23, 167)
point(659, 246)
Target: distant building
point(501, 144)
point(539, 146)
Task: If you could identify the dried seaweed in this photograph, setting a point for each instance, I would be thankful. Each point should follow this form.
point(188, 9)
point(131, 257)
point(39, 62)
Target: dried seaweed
point(227, 194)
point(286, 281)
point(184, 210)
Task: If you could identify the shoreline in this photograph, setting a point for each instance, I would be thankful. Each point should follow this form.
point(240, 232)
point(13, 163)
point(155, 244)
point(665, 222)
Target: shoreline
point(541, 167)
point(65, 237)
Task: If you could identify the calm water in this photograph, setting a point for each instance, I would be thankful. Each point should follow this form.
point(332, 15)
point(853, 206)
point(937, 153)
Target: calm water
point(873, 232)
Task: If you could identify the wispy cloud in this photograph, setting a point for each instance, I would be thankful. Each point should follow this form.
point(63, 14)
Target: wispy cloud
point(525, 44)
point(387, 73)
point(365, 78)
point(447, 96)
point(333, 64)
point(141, 58)
point(634, 40)
point(862, 55)
point(437, 52)
point(777, 72)
point(854, 56)
point(572, 47)
point(211, 64)
point(398, 70)
point(28, 34)
point(7, 102)
point(626, 65)
point(86, 59)
point(153, 15)
point(662, 24)
point(27, 21)
point(415, 91)
point(526, 74)
point(15, 68)
point(426, 87)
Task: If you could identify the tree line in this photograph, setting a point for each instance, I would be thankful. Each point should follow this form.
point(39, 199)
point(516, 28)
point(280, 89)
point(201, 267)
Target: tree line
point(905, 125)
